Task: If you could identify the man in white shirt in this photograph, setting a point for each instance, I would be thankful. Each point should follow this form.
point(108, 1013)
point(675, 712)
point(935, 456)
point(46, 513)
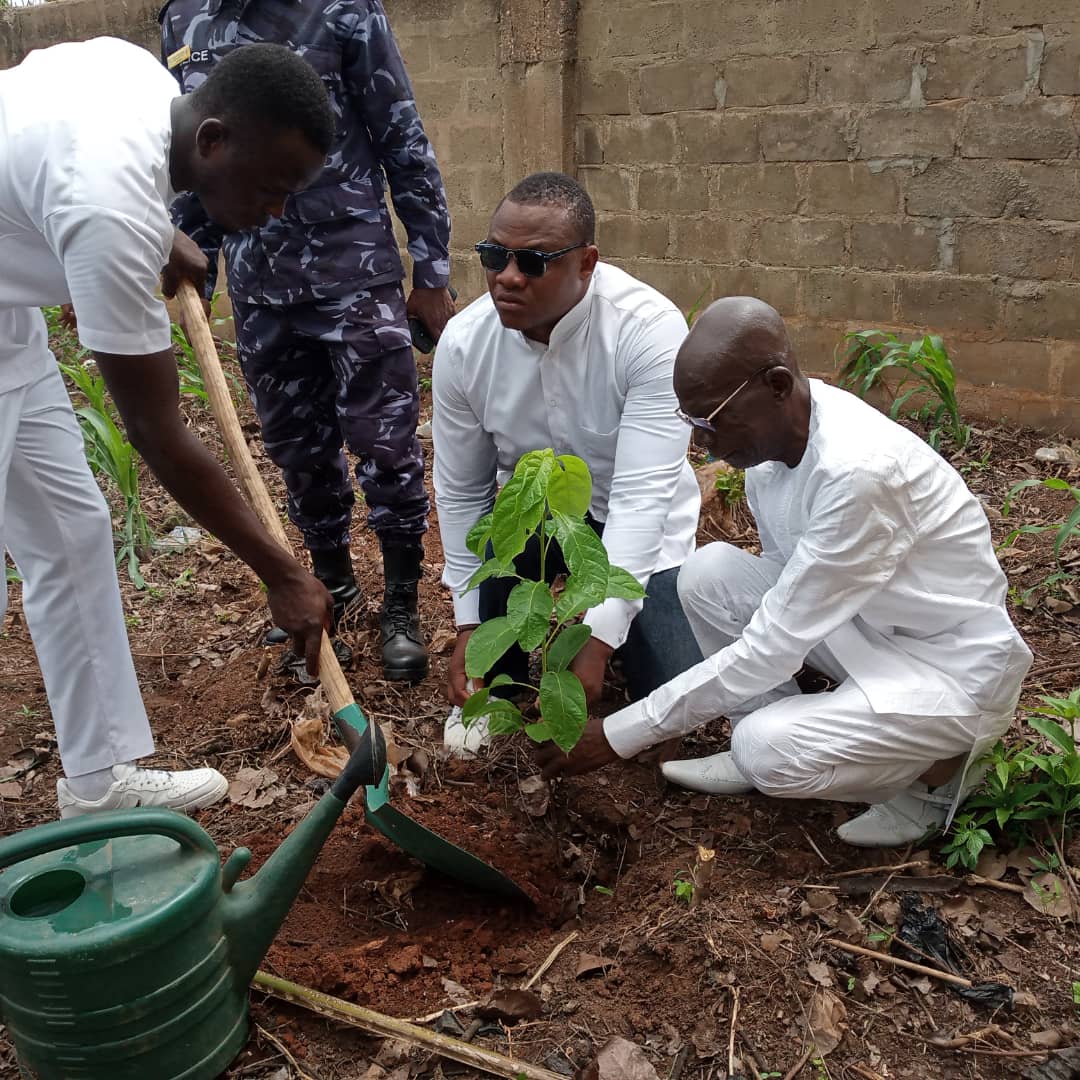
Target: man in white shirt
point(95, 141)
point(877, 568)
point(574, 354)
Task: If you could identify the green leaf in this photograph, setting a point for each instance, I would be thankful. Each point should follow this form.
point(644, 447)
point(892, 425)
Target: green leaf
point(584, 554)
point(1052, 730)
point(492, 568)
point(520, 505)
point(570, 487)
point(500, 680)
point(1068, 529)
point(623, 585)
point(529, 610)
point(475, 705)
point(503, 717)
point(566, 646)
point(1015, 490)
point(573, 601)
point(478, 536)
point(562, 705)
point(505, 721)
point(486, 645)
point(539, 733)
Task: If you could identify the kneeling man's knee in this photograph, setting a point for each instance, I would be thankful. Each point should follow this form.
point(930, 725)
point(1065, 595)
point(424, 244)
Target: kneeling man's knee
point(771, 760)
point(706, 572)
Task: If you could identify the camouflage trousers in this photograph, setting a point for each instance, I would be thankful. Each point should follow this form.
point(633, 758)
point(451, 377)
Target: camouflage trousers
point(332, 375)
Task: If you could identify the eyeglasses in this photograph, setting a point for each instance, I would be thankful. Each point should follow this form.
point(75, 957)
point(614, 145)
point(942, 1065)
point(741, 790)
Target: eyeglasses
point(705, 424)
point(530, 262)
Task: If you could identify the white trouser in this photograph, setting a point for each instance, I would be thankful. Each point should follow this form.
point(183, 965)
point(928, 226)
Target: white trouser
point(821, 746)
point(56, 525)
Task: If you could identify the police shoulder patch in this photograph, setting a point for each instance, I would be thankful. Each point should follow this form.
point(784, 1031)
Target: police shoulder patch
point(178, 57)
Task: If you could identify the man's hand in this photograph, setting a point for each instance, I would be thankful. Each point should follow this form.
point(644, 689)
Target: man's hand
point(186, 263)
point(458, 686)
point(301, 605)
point(590, 666)
point(433, 307)
point(67, 318)
point(593, 751)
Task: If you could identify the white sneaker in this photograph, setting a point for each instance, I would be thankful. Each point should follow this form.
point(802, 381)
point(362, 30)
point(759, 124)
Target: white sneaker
point(191, 789)
point(902, 820)
point(464, 741)
point(716, 775)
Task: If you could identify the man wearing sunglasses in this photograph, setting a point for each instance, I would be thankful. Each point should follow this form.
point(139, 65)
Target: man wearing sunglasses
point(877, 568)
point(571, 353)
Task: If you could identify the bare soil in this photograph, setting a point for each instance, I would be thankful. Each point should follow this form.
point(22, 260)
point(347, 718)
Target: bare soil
point(732, 980)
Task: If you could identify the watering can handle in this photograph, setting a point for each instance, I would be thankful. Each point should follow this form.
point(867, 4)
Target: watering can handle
point(107, 825)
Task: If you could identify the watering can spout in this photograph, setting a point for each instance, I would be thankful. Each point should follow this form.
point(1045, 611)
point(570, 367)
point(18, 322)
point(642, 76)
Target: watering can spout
point(256, 908)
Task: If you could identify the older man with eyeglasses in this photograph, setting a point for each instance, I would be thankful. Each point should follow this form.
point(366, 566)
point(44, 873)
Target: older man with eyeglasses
point(877, 568)
point(568, 352)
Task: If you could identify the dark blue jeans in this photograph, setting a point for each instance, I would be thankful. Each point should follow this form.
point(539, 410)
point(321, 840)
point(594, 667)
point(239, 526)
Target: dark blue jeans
point(660, 644)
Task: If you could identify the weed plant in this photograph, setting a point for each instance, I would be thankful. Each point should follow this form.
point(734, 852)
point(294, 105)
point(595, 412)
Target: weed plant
point(110, 455)
point(1031, 792)
point(923, 376)
point(1066, 530)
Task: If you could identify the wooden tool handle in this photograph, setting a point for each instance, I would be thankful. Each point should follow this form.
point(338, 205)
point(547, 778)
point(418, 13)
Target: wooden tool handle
point(217, 390)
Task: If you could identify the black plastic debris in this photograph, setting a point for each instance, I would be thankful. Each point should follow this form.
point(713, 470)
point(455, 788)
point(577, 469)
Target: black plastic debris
point(1062, 1065)
point(449, 1024)
point(924, 938)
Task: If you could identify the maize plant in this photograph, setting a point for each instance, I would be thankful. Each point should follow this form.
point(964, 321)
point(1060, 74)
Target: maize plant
point(870, 356)
point(109, 454)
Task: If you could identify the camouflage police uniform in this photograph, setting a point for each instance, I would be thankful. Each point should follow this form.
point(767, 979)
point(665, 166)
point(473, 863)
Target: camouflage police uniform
point(321, 328)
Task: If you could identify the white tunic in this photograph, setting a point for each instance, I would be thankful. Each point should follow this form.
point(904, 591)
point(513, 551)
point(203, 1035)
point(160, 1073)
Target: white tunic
point(887, 560)
point(601, 389)
point(84, 193)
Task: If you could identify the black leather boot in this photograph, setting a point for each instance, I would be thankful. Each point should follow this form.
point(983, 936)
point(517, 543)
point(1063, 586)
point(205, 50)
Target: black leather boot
point(405, 658)
point(334, 569)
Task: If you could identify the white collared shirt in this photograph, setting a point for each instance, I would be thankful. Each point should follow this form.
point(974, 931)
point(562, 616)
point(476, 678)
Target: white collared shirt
point(601, 389)
point(85, 130)
point(887, 559)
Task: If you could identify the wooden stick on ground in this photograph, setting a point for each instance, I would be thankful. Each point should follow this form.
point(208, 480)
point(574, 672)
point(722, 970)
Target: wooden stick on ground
point(907, 965)
point(731, 1036)
point(284, 1052)
point(552, 957)
point(391, 1028)
point(989, 883)
point(879, 869)
point(795, 1069)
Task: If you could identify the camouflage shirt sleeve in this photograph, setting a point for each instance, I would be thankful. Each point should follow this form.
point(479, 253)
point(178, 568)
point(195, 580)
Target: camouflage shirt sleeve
point(376, 80)
point(187, 211)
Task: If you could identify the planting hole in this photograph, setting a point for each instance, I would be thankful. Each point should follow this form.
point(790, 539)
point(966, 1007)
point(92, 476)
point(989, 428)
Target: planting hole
point(47, 893)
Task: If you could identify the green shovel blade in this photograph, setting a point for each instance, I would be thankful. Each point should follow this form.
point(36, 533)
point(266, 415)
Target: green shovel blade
point(419, 841)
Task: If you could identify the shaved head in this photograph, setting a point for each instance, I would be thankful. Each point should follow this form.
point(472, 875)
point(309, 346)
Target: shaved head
point(732, 338)
point(737, 363)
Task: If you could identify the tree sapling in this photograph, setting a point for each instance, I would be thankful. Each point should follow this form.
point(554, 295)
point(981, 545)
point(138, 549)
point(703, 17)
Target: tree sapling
point(547, 498)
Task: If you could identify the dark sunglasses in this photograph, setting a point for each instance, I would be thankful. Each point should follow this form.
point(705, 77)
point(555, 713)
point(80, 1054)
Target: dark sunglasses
point(705, 424)
point(531, 263)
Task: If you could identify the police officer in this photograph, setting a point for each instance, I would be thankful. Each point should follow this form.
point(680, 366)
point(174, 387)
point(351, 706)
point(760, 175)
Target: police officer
point(321, 316)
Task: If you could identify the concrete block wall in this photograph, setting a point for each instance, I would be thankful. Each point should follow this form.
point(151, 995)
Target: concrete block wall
point(910, 166)
point(451, 49)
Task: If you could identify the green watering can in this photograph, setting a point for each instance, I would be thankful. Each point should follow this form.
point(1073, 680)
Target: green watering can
point(126, 949)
